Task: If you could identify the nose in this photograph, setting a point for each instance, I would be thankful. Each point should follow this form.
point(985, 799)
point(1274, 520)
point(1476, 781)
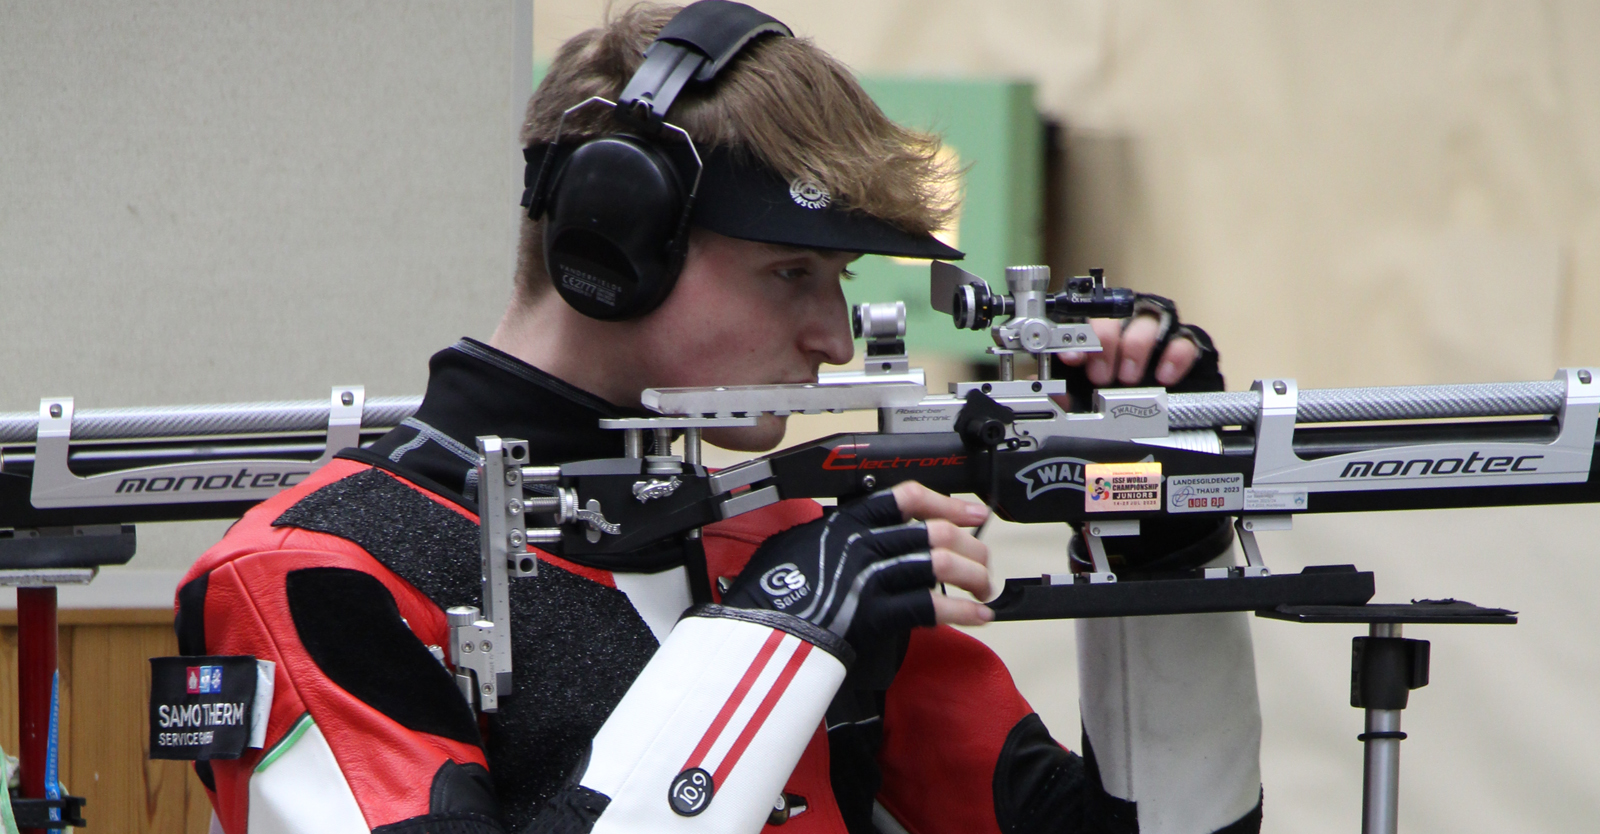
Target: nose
point(825, 331)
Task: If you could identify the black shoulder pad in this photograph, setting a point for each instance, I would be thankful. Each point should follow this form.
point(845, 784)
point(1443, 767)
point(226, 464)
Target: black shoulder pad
point(429, 545)
point(191, 621)
point(349, 624)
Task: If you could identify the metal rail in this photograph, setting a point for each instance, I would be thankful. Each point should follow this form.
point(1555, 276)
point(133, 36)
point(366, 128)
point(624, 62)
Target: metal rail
point(1188, 411)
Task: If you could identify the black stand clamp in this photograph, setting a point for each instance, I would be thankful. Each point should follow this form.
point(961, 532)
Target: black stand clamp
point(1384, 668)
point(35, 813)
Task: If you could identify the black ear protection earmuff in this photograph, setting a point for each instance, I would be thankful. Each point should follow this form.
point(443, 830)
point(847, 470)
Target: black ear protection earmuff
point(617, 207)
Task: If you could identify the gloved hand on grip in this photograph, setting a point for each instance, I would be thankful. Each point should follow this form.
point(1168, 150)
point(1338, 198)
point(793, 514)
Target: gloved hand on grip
point(866, 570)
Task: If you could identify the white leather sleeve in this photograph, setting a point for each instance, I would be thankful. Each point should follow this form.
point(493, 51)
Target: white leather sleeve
point(298, 788)
point(1170, 708)
point(708, 734)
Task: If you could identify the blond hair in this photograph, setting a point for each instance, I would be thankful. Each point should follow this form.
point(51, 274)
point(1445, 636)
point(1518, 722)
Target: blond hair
point(782, 102)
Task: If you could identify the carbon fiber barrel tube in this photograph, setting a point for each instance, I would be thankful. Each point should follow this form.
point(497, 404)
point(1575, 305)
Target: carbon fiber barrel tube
point(301, 417)
point(1355, 405)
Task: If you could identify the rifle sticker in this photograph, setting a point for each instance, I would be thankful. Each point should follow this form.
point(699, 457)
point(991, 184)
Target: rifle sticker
point(1121, 487)
point(1256, 498)
point(1205, 493)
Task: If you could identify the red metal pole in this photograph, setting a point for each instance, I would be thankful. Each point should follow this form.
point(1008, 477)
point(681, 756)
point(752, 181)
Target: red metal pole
point(36, 670)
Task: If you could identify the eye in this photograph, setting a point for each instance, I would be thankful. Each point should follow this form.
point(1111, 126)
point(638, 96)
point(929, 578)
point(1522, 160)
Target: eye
point(792, 273)
point(846, 274)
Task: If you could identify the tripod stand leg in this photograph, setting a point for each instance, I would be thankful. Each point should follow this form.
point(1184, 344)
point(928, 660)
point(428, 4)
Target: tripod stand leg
point(1380, 793)
point(1384, 670)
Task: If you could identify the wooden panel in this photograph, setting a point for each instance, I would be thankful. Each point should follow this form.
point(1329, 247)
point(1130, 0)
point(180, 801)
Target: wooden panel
point(105, 686)
point(101, 616)
point(8, 687)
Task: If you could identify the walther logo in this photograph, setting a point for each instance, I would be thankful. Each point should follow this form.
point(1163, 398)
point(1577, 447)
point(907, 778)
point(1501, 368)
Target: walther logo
point(245, 479)
point(1053, 473)
point(1128, 410)
point(1441, 466)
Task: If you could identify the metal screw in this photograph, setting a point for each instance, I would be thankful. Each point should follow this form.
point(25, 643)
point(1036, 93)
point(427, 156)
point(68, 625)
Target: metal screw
point(987, 388)
point(487, 646)
point(512, 476)
point(1037, 387)
point(466, 648)
point(1083, 337)
point(516, 538)
point(347, 398)
point(887, 366)
point(488, 689)
point(514, 506)
point(1585, 377)
point(55, 409)
point(869, 481)
point(1279, 388)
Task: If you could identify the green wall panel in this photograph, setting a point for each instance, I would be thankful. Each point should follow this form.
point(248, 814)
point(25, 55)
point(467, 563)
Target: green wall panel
point(996, 134)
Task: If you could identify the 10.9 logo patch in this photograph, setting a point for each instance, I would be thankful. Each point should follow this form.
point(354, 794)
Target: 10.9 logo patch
point(691, 792)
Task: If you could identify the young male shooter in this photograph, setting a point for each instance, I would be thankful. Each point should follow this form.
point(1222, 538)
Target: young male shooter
point(635, 708)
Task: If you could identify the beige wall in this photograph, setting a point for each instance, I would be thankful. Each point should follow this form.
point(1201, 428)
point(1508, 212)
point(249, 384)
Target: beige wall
point(212, 201)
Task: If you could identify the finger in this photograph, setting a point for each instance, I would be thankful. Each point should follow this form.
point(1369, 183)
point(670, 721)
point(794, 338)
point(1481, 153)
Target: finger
point(880, 509)
point(1101, 368)
point(911, 572)
point(1138, 341)
point(900, 539)
point(895, 613)
point(917, 501)
point(1073, 358)
point(954, 569)
point(1176, 361)
point(943, 534)
point(952, 611)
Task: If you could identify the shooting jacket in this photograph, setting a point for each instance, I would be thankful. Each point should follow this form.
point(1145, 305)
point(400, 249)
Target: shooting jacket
point(627, 714)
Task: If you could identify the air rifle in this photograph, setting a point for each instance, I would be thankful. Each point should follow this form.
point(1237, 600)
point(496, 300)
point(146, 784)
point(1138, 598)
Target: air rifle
point(73, 482)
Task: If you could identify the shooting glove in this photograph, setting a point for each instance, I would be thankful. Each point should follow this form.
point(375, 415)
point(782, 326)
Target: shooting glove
point(1206, 375)
point(861, 572)
point(1170, 544)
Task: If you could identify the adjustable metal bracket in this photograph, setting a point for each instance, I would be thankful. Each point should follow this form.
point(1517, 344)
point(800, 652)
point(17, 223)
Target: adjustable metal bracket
point(480, 640)
point(1093, 534)
point(1246, 527)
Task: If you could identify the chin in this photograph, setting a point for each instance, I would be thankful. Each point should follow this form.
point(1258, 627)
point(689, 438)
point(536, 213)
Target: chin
point(765, 435)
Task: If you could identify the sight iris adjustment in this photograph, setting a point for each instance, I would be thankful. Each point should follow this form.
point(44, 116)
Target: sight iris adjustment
point(974, 306)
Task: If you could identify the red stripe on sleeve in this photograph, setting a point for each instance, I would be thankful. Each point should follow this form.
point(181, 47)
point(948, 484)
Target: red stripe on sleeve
point(760, 717)
point(736, 698)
